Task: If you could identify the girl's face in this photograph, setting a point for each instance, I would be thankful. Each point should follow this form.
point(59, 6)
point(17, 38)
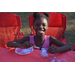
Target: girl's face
point(40, 26)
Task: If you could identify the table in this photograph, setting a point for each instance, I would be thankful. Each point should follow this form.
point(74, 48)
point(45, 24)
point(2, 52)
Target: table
point(35, 56)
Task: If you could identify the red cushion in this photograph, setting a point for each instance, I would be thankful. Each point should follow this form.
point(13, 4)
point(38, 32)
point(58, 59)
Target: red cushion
point(8, 34)
point(55, 32)
point(55, 20)
point(8, 19)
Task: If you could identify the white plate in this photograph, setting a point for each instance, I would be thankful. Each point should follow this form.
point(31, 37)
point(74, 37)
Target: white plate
point(23, 51)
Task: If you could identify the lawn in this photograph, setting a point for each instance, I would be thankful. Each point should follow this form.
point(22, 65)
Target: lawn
point(70, 30)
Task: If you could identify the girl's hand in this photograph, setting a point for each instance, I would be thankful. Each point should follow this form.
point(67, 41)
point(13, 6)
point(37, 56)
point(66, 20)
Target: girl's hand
point(26, 44)
point(52, 50)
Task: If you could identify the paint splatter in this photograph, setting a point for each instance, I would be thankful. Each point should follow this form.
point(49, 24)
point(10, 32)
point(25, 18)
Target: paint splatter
point(44, 53)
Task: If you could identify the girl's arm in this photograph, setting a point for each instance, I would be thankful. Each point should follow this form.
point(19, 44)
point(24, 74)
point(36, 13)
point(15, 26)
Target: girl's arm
point(21, 43)
point(61, 46)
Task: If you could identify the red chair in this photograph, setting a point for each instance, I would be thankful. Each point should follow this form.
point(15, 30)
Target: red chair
point(10, 25)
point(73, 48)
point(57, 26)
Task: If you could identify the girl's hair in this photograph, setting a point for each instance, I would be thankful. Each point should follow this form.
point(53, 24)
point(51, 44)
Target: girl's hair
point(37, 15)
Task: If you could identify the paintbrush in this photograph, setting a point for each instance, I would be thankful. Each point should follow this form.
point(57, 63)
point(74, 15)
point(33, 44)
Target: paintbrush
point(36, 47)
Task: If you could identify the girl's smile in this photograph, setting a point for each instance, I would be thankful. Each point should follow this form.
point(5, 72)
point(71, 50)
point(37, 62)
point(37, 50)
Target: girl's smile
point(41, 31)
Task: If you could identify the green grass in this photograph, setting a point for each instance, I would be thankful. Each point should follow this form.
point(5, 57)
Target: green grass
point(70, 30)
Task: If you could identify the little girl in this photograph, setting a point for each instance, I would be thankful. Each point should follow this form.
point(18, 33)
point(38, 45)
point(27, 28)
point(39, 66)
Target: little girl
point(41, 22)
